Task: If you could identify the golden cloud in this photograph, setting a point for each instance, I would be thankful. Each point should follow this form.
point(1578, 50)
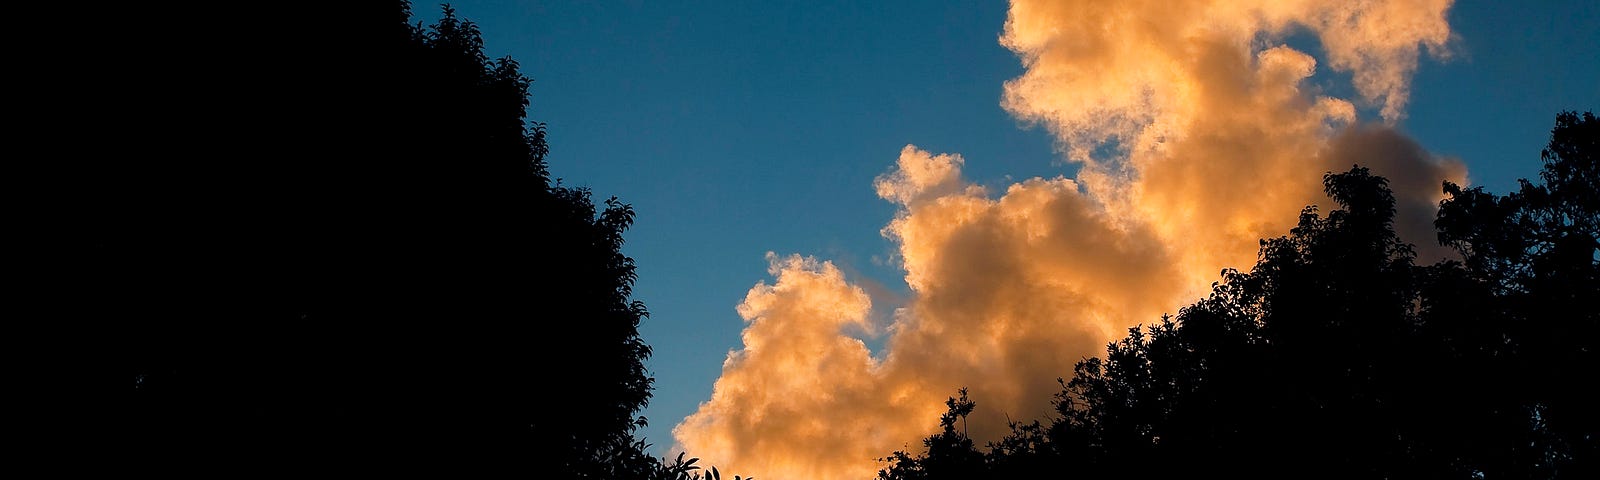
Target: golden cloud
point(1197, 134)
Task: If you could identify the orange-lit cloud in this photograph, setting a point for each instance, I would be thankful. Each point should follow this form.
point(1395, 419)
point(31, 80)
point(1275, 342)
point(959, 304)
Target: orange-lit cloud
point(1197, 133)
point(1008, 294)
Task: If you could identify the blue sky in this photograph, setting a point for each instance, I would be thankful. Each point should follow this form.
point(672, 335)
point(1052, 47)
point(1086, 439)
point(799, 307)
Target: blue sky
point(738, 128)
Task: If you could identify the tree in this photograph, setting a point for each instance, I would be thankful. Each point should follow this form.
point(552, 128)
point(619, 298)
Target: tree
point(950, 453)
point(1530, 257)
point(371, 272)
point(1336, 356)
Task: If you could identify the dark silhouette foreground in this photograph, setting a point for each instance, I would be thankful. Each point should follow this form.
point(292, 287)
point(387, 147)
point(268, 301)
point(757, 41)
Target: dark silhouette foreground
point(1338, 357)
point(332, 247)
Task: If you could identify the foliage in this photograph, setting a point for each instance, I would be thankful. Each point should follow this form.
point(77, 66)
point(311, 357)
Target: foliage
point(363, 268)
point(1337, 357)
point(950, 452)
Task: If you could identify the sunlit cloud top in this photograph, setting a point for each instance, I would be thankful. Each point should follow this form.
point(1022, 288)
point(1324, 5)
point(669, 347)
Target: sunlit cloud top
point(1196, 133)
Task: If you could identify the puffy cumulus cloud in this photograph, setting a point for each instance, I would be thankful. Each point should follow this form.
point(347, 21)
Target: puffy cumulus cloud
point(803, 398)
point(919, 176)
point(1197, 133)
point(1138, 70)
point(1007, 294)
point(1210, 123)
point(1379, 41)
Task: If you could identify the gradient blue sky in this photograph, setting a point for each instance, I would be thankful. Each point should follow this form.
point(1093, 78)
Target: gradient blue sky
point(738, 128)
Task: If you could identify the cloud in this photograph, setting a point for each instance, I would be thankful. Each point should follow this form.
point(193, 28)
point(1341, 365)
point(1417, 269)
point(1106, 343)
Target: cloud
point(920, 176)
point(1008, 294)
point(1413, 174)
point(800, 380)
point(1197, 133)
point(1209, 116)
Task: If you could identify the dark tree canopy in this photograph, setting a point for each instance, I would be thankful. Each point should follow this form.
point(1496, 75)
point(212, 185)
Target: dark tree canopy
point(342, 253)
point(1337, 357)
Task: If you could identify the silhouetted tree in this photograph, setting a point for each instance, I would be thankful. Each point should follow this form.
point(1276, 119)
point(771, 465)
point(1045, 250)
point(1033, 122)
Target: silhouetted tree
point(1526, 288)
point(950, 453)
point(1337, 357)
point(370, 272)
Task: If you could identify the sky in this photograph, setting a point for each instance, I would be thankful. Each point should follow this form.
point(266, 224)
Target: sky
point(847, 210)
